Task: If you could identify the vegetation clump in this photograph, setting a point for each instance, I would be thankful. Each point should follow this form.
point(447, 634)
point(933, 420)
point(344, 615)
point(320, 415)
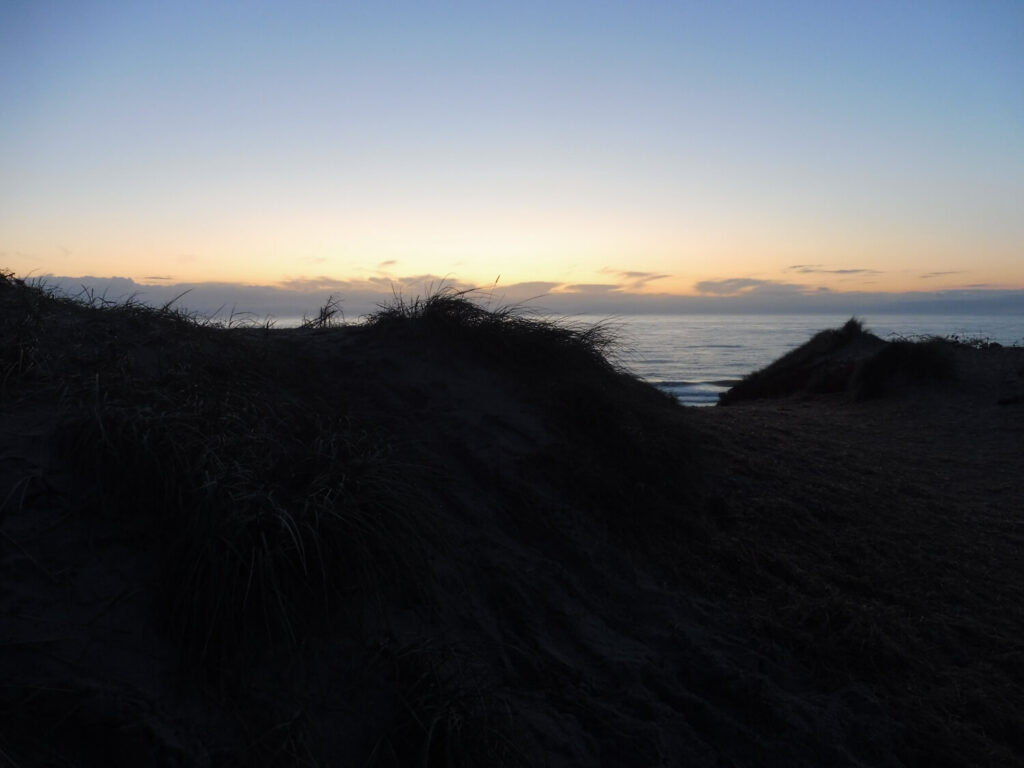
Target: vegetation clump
point(508, 334)
point(853, 361)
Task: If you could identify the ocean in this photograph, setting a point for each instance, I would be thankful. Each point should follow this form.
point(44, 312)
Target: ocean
point(696, 357)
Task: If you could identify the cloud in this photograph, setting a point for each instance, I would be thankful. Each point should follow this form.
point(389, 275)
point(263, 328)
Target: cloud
point(533, 287)
point(305, 284)
point(818, 269)
point(302, 296)
point(750, 286)
point(161, 278)
point(731, 286)
point(425, 283)
point(802, 267)
point(590, 288)
point(633, 280)
point(388, 263)
point(519, 293)
point(929, 275)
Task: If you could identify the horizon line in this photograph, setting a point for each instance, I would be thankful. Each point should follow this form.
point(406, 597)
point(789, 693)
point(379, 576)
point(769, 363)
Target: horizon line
point(293, 298)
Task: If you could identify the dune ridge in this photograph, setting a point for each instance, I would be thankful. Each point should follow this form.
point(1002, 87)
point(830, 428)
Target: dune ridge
point(459, 535)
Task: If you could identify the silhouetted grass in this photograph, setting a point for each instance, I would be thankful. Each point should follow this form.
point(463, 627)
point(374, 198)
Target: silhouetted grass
point(809, 368)
point(508, 333)
point(851, 360)
point(329, 315)
point(614, 451)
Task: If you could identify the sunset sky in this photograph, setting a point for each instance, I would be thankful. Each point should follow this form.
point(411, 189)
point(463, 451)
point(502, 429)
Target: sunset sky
point(718, 149)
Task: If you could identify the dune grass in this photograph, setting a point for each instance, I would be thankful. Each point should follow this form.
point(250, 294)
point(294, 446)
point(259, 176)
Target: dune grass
point(853, 361)
point(800, 369)
point(330, 315)
point(508, 333)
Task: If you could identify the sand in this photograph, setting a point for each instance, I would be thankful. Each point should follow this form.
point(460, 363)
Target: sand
point(446, 544)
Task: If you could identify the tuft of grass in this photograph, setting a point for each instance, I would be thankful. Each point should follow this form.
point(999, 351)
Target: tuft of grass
point(851, 360)
point(817, 366)
point(330, 315)
point(953, 339)
point(508, 333)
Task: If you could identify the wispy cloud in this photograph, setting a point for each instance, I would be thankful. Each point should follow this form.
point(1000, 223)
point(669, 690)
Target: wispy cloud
point(633, 280)
point(744, 286)
point(388, 263)
point(590, 288)
point(929, 275)
point(377, 283)
point(518, 293)
point(161, 278)
point(818, 269)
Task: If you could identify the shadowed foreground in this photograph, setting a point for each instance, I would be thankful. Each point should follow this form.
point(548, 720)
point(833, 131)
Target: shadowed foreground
point(454, 536)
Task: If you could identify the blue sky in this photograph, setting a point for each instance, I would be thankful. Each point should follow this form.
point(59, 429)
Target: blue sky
point(721, 149)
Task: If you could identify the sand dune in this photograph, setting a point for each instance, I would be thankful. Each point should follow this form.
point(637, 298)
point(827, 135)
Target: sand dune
point(454, 536)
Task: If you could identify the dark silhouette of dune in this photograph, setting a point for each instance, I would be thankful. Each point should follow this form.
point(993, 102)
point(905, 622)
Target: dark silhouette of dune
point(459, 535)
point(854, 361)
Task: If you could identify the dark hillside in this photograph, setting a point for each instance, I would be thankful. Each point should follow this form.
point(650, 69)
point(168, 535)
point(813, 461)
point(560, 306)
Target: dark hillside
point(852, 360)
point(460, 536)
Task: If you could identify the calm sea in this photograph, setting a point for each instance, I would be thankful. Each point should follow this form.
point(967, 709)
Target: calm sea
point(696, 357)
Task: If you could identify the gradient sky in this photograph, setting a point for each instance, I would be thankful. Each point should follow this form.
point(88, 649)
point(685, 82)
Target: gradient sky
point(694, 148)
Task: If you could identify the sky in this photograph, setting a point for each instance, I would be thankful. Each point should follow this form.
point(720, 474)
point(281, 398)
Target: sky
point(734, 151)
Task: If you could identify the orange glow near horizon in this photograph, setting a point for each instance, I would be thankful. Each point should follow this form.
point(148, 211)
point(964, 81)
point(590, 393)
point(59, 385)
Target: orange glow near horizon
point(670, 152)
point(552, 258)
point(635, 254)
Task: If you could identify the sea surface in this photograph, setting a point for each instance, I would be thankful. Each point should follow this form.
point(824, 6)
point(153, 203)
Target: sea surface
point(697, 357)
